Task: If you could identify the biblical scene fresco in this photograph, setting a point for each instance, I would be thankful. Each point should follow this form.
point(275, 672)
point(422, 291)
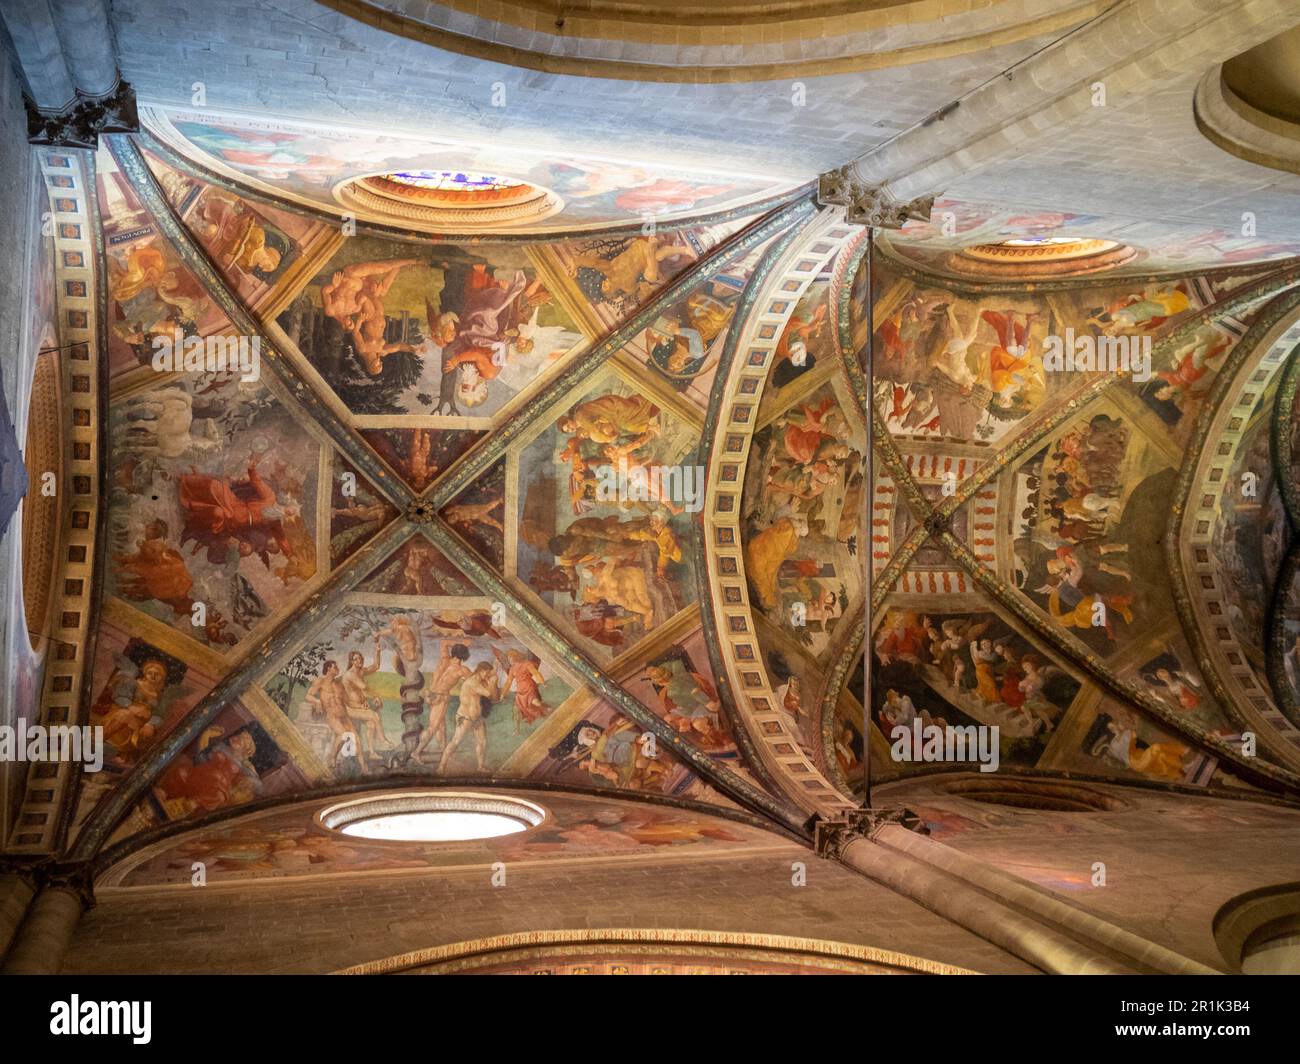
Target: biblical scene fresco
point(1080, 521)
point(803, 500)
point(307, 163)
point(808, 340)
point(967, 668)
point(288, 842)
point(252, 244)
point(151, 293)
point(678, 685)
point(685, 342)
point(139, 692)
point(417, 567)
point(846, 729)
point(357, 511)
point(418, 456)
point(1114, 739)
point(476, 515)
point(604, 748)
point(233, 761)
point(603, 537)
point(1286, 635)
point(435, 330)
point(1251, 538)
point(618, 275)
point(1170, 673)
point(1184, 379)
point(212, 505)
point(441, 690)
point(954, 368)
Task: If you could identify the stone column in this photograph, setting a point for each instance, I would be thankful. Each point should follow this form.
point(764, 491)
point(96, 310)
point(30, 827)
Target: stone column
point(43, 939)
point(850, 841)
point(19, 881)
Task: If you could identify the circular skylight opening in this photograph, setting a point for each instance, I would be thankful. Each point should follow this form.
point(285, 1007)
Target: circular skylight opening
point(431, 816)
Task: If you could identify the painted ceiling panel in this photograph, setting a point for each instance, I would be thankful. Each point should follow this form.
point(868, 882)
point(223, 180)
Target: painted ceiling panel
point(307, 164)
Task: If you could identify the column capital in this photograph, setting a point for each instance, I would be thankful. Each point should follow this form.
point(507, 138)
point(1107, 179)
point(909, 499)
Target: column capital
point(867, 204)
point(30, 869)
point(76, 878)
point(43, 872)
point(832, 836)
point(80, 124)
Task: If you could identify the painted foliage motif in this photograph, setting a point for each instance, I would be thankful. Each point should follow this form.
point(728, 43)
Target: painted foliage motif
point(802, 532)
point(612, 561)
point(438, 330)
point(212, 501)
point(443, 691)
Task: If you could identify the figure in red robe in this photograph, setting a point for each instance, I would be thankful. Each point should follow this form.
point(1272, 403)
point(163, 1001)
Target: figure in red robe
point(221, 512)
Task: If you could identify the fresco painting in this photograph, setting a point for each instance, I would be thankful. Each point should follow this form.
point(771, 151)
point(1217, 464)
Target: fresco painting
point(288, 842)
point(253, 245)
point(417, 568)
point(955, 224)
point(802, 530)
point(678, 685)
point(435, 330)
point(418, 456)
point(686, 340)
point(807, 340)
point(357, 512)
point(611, 568)
point(604, 748)
point(1119, 740)
point(968, 668)
point(618, 275)
point(151, 293)
point(1251, 538)
point(212, 500)
point(440, 690)
point(476, 515)
point(307, 162)
point(1080, 508)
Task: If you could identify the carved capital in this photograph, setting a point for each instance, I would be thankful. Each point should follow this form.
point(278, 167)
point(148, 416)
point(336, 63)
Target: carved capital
point(33, 870)
point(831, 837)
point(872, 205)
point(78, 879)
point(937, 523)
point(80, 123)
point(421, 512)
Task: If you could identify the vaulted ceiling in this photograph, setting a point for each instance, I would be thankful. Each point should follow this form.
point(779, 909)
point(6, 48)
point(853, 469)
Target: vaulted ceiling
point(456, 333)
